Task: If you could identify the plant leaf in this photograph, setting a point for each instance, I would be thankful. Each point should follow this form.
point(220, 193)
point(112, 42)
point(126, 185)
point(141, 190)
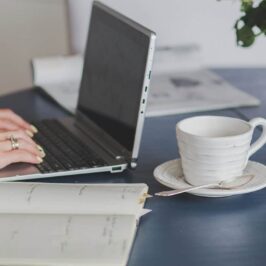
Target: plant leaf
point(245, 36)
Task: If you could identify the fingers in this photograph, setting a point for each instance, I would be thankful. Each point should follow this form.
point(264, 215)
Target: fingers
point(8, 125)
point(6, 146)
point(14, 118)
point(11, 121)
point(13, 125)
point(16, 156)
point(18, 134)
point(28, 152)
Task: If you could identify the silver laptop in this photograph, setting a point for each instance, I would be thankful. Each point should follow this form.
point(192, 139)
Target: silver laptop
point(105, 133)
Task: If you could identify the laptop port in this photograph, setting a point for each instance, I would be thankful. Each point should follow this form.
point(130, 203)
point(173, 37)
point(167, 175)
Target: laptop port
point(116, 169)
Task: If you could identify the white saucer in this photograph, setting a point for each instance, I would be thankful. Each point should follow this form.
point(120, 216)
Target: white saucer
point(170, 174)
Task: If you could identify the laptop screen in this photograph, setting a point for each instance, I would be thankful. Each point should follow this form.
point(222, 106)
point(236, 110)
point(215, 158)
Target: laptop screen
point(113, 73)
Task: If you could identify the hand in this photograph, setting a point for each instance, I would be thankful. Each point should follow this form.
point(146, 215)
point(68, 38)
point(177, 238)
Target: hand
point(28, 151)
point(11, 121)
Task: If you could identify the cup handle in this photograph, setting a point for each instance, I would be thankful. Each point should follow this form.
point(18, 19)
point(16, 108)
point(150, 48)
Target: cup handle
point(262, 139)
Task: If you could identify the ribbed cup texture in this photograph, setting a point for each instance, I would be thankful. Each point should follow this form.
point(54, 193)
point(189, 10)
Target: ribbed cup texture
point(213, 161)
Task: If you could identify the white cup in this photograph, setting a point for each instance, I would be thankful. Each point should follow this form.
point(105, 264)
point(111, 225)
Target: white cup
point(216, 148)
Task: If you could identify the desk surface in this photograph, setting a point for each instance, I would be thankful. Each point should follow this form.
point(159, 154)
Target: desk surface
point(185, 230)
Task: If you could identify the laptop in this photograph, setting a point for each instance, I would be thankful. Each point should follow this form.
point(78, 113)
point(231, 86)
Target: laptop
point(105, 133)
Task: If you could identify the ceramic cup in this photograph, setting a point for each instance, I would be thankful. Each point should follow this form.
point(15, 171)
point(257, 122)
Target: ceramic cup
point(216, 148)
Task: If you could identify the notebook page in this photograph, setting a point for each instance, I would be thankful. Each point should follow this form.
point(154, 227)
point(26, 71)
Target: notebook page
point(72, 198)
point(51, 239)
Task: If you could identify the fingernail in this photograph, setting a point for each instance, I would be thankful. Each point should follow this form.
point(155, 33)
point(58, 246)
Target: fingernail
point(40, 160)
point(34, 129)
point(29, 133)
point(40, 148)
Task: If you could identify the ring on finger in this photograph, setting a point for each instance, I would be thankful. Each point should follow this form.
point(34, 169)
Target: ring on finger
point(14, 143)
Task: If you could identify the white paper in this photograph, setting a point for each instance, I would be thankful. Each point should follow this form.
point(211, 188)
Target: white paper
point(36, 239)
point(65, 94)
point(178, 58)
point(57, 69)
point(72, 198)
point(60, 78)
point(193, 91)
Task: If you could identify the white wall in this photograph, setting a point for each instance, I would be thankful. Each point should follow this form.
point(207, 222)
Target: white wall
point(29, 28)
point(206, 22)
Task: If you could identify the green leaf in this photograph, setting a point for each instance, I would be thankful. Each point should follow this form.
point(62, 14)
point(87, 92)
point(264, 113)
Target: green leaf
point(254, 21)
point(262, 4)
point(245, 36)
point(246, 5)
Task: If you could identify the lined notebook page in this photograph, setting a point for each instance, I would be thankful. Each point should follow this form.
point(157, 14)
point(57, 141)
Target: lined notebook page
point(50, 239)
point(72, 198)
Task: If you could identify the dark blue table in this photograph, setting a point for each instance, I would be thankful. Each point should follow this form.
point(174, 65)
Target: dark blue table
point(185, 230)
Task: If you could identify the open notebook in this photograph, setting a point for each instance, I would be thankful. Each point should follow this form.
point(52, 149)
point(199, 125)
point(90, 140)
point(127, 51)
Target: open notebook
point(69, 224)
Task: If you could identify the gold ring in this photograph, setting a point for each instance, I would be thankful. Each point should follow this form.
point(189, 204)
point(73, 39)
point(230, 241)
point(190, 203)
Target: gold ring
point(14, 143)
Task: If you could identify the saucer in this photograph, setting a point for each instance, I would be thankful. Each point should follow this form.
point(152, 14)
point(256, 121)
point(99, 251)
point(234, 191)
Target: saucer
point(170, 174)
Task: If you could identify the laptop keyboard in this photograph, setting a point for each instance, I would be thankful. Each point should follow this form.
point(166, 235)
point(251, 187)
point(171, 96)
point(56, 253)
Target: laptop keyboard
point(64, 151)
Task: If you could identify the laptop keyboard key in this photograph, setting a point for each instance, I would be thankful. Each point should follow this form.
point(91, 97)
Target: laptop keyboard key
point(63, 150)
